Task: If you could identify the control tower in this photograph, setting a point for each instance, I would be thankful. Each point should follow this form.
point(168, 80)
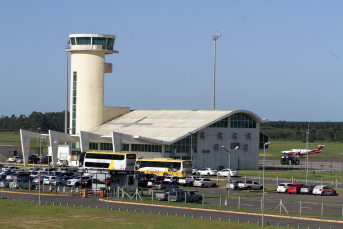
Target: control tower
point(88, 68)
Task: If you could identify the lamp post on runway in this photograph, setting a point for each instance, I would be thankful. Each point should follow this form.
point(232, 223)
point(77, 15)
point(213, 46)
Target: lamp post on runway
point(229, 175)
point(264, 159)
point(215, 38)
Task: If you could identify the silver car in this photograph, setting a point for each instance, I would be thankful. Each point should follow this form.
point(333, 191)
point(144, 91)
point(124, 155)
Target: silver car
point(22, 183)
point(5, 183)
point(307, 189)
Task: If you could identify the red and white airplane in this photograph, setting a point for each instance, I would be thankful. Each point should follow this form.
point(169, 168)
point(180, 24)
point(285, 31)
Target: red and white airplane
point(303, 152)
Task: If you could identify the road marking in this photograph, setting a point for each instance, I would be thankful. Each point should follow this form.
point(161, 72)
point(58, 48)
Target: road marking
point(248, 205)
point(42, 194)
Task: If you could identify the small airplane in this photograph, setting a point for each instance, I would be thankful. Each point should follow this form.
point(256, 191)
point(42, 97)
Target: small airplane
point(303, 152)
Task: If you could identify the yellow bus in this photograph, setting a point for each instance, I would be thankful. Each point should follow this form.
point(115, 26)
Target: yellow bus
point(109, 160)
point(164, 166)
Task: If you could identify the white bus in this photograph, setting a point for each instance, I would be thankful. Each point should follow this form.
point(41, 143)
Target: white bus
point(109, 160)
point(164, 166)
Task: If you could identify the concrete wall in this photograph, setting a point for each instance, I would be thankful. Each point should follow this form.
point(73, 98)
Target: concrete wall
point(90, 68)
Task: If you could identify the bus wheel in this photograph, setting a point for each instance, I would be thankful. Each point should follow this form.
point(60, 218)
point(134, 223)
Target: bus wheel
point(165, 174)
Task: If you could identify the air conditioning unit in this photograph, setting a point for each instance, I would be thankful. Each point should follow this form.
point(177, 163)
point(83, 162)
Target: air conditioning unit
point(246, 147)
point(235, 135)
point(249, 135)
point(203, 135)
point(207, 151)
point(174, 151)
point(204, 151)
point(216, 147)
point(220, 135)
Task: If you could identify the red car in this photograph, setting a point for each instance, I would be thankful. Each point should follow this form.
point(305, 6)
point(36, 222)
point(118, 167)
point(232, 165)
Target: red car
point(295, 188)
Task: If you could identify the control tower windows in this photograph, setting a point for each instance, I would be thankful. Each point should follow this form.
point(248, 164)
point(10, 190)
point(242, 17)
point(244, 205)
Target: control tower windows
point(110, 42)
point(72, 41)
point(99, 41)
point(83, 40)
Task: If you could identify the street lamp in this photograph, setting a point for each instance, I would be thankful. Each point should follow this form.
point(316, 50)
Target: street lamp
point(229, 176)
point(37, 133)
point(264, 159)
point(40, 164)
point(214, 37)
point(307, 140)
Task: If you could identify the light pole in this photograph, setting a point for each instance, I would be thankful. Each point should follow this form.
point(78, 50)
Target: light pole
point(37, 133)
point(191, 146)
point(307, 140)
point(214, 38)
point(40, 163)
point(264, 159)
point(229, 175)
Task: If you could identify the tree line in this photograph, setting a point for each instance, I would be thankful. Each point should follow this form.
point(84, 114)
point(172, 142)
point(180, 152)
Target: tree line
point(280, 130)
point(296, 131)
point(46, 122)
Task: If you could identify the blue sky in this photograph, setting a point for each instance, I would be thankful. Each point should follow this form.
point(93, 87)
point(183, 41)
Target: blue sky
point(279, 59)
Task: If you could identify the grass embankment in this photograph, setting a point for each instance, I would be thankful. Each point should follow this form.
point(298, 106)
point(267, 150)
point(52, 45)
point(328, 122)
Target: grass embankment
point(15, 214)
point(331, 149)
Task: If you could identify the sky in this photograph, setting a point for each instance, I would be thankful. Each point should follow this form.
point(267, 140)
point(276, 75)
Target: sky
point(281, 60)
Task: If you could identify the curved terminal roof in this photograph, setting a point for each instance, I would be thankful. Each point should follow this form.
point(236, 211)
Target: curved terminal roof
point(165, 126)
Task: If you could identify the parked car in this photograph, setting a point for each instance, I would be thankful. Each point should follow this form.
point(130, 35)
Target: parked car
point(143, 183)
point(250, 185)
point(187, 181)
point(19, 175)
point(60, 181)
point(324, 190)
point(307, 189)
point(14, 159)
point(164, 195)
point(295, 188)
point(225, 173)
point(76, 181)
point(207, 171)
point(39, 179)
point(98, 185)
point(60, 163)
point(47, 179)
point(33, 169)
point(181, 195)
point(162, 185)
point(283, 187)
point(173, 179)
point(194, 170)
point(204, 182)
point(233, 185)
point(33, 159)
point(5, 183)
point(22, 183)
point(46, 160)
point(146, 176)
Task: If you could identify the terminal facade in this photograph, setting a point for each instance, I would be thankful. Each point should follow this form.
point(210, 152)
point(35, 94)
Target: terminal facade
point(196, 135)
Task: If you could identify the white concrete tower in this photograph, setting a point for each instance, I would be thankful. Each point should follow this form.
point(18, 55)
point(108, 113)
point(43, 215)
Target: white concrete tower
point(88, 68)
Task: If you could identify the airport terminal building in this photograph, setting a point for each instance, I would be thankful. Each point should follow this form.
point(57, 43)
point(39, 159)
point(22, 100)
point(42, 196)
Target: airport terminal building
point(196, 135)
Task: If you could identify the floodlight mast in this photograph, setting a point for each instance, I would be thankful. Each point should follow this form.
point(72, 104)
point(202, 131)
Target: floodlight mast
point(214, 38)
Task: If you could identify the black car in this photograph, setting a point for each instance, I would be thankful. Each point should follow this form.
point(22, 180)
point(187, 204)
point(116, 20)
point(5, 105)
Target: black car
point(143, 183)
point(147, 176)
point(158, 178)
point(46, 160)
point(86, 183)
point(67, 174)
point(33, 159)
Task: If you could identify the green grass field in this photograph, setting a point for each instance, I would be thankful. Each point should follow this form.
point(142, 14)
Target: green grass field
point(16, 214)
point(331, 149)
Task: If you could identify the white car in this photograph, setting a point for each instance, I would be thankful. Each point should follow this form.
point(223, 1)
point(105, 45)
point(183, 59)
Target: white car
point(324, 190)
point(60, 163)
point(283, 187)
point(233, 185)
point(14, 159)
point(170, 179)
point(225, 173)
point(194, 170)
point(47, 179)
point(204, 182)
point(207, 171)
